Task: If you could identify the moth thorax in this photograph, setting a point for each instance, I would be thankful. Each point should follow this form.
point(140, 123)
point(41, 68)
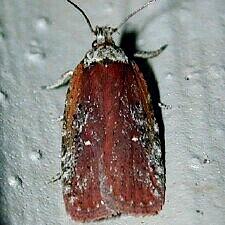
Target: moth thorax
point(104, 35)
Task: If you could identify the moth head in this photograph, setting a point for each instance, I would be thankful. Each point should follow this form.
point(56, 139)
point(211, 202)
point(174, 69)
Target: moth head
point(104, 35)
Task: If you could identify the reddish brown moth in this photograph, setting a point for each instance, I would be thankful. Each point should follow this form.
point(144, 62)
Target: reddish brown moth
point(111, 153)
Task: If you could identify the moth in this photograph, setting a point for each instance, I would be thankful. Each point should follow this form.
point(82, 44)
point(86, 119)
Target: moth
point(111, 153)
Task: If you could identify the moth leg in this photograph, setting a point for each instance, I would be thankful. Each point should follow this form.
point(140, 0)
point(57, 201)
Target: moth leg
point(56, 178)
point(63, 80)
point(149, 54)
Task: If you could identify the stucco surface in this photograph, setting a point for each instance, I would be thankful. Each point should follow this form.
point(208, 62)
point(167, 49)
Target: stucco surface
point(39, 40)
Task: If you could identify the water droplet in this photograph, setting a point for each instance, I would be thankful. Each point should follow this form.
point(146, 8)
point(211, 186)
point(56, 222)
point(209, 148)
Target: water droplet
point(42, 24)
point(15, 181)
point(187, 77)
point(36, 53)
point(169, 76)
point(3, 97)
point(36, 155)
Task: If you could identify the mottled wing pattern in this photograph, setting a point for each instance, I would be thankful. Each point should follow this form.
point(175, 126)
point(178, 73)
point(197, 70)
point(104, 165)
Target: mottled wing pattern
point(111, 156)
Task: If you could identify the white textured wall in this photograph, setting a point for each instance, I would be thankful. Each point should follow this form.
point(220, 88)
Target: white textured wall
point(41, 39)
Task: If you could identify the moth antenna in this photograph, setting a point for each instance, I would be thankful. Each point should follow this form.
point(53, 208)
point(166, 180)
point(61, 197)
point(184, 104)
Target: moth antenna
point(133, 13)
point(83, 13)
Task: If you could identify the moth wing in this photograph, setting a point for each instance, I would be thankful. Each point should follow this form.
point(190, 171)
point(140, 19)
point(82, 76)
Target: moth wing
point(133, 164)
point(111, 156)
point(81, 153)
